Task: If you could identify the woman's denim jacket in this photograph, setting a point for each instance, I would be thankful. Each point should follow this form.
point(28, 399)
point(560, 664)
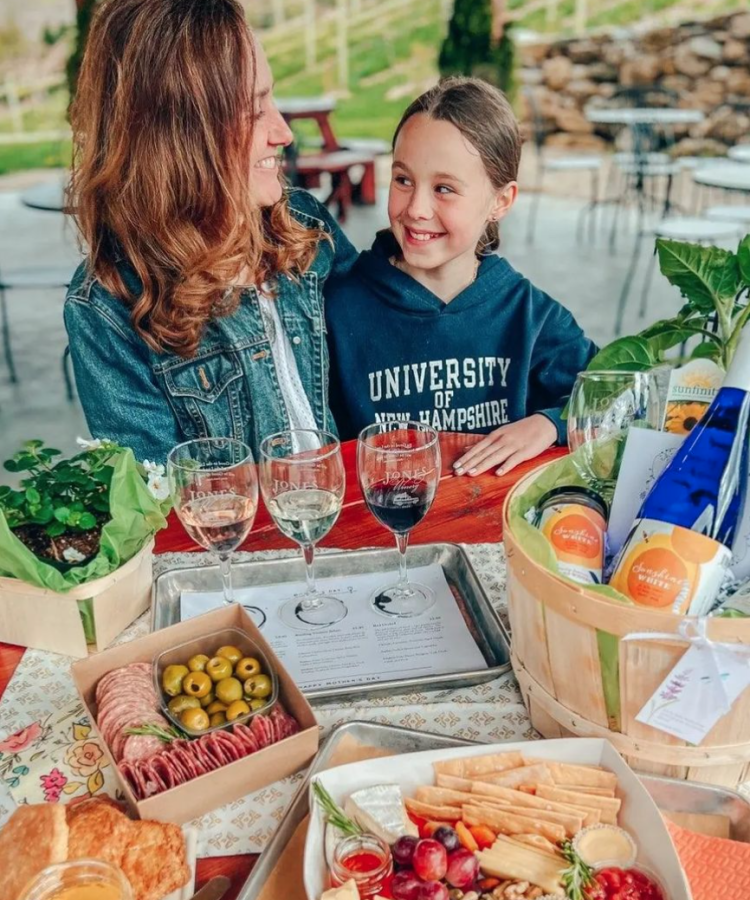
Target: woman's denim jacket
point(151, 401)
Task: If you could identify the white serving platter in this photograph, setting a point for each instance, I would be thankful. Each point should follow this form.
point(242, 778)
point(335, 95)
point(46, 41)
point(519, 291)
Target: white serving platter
point(639, 814)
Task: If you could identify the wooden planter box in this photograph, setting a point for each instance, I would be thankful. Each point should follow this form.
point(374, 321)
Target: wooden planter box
point(555, 656)
point(43, 619)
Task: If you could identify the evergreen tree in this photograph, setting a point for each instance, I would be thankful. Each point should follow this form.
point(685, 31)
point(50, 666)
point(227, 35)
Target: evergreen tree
point(84, 13)
point(469, 48)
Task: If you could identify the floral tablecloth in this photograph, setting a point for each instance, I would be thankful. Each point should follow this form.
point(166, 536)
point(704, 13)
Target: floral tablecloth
point(53, 754)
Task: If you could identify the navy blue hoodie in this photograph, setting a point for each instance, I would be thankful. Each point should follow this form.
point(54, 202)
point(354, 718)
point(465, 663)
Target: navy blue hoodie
point(498, 352)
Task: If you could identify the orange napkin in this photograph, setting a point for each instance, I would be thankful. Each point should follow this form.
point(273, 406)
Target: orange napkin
point(716, 868)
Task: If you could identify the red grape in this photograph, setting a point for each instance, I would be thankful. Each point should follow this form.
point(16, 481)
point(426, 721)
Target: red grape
point(430, 860)
point(433, 890)
point(463, 869)
point(447, 837)
point(405, 885)
point(403, 850)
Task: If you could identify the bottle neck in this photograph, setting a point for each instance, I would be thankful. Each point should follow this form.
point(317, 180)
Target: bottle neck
point(738, 375)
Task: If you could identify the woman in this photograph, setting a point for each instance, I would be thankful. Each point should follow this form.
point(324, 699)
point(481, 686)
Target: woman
point(199, 310)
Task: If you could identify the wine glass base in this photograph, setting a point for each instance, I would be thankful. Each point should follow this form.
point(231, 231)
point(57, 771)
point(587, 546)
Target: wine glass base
point(299, 614)
point(256, 614)
point(397, 603)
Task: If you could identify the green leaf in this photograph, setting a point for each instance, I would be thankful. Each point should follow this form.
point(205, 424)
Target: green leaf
point(707, 350)
point(33, 496)
point(708, 277)
point(10, 465)
point(34, 444)
point(628, 354)
point(55, 529)
point(62, 514)
point(743, 259)
point(87, 521)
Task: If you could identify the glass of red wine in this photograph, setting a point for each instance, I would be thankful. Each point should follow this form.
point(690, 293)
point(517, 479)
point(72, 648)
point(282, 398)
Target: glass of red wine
point(398, 465)
point(214, 488)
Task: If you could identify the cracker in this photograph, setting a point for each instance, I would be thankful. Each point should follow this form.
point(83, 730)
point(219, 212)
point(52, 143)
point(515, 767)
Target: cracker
point(155, 861)
point(35, 836)
point(100, 830)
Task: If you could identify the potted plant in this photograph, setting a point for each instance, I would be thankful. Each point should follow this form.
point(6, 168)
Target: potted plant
point(76, 539)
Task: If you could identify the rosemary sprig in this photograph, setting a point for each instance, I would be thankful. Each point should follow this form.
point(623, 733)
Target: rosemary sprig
point(578, 877)
point(167, 735)
point(332, 812)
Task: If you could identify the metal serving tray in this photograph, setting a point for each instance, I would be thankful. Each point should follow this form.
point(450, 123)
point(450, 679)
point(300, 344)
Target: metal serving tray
point(669, 794)
point(483, 622)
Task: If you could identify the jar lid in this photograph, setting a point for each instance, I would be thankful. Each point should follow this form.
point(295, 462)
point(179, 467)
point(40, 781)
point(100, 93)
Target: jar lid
point(572, 491)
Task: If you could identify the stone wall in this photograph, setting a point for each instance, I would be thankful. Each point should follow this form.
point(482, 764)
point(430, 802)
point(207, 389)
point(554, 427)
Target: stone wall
point(706, 63)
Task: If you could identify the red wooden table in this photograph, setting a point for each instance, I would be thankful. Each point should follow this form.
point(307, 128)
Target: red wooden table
point(467, 510)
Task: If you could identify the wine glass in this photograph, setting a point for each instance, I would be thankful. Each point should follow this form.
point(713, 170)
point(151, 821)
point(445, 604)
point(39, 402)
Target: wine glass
point(398, 465)
point(214, 488)
point(603, 406)
point(302, 480)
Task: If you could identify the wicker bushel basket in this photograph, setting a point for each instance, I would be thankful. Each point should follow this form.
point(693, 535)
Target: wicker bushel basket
point(578, 678)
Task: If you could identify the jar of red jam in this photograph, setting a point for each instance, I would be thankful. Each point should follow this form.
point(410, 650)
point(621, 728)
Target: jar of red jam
point(367, 860)
point(614, 883)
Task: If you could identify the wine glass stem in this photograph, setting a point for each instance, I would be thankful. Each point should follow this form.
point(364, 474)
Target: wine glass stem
point(310, 600)
point(402, 542)
point(225, 566)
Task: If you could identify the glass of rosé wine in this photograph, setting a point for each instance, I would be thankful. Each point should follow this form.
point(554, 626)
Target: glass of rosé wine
point(214, 487)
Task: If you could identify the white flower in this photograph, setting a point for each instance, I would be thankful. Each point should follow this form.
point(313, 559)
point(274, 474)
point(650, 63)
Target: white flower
point(71, 555)
point(153, 468)
point(88, 445)
point(158, 486)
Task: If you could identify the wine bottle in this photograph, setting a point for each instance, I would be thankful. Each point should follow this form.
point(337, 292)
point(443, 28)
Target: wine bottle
point(679, 549)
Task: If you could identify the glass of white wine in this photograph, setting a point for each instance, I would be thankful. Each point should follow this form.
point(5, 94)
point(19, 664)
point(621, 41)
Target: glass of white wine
point(214, 488)
point(302, 480)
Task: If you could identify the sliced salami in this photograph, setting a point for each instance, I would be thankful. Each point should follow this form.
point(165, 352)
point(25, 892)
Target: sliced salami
point(246, 738)
point(140, 746)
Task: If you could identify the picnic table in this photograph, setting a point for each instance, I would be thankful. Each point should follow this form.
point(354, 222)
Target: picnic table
point(467, 510)
point(333, 158)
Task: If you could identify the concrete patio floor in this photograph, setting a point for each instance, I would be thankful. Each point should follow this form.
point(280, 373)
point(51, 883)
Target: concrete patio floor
point(584, 276)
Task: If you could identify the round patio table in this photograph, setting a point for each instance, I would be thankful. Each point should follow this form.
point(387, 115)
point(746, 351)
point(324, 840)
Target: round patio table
point(49, 196)
point(465, 510)
point(644, 116)
point(741, 153)
point(729, 176)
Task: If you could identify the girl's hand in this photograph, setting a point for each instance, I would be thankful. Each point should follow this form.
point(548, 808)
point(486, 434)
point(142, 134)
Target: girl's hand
point(508, 446)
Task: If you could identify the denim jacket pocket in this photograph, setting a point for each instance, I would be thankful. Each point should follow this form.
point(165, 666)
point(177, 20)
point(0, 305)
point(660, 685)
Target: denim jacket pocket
point(207, 395)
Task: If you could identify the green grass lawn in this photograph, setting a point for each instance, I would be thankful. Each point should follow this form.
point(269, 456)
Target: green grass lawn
point(42, 155)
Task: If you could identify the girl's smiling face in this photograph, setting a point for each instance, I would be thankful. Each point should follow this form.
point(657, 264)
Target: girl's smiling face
point(441, 197)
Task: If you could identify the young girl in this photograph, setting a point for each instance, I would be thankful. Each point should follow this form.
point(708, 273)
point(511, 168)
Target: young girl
point(431, 324)
point(199, 310)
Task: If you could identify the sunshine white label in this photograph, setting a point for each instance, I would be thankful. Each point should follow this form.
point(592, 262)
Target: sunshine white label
point(576, 533)
point(692, 387)
point(669, 568)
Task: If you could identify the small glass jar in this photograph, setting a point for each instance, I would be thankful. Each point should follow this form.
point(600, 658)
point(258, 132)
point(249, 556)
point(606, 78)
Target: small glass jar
point(366, 859)
point(79, 879)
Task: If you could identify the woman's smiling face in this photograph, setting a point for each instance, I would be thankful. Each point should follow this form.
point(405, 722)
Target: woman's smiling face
point(440, 195)
point(270, 135)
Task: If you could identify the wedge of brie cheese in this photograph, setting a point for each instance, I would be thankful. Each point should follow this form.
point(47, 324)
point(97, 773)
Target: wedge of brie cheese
point(347, 891)
point(380, 810)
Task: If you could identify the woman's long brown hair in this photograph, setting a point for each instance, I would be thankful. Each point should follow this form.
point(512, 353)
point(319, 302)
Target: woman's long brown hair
point(162, 126)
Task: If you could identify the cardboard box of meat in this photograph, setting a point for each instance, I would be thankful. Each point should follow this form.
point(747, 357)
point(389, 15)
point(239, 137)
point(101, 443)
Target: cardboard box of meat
point(185, 778)
point(152, 856)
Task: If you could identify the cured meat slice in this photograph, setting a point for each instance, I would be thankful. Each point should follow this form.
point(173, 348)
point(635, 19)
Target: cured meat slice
point(140, 746)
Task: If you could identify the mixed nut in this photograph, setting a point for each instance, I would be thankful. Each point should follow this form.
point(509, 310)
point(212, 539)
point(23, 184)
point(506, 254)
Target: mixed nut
point(506, 890)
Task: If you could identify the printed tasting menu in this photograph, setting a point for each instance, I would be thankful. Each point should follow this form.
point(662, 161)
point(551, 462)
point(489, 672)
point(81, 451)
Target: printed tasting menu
point(365, 646)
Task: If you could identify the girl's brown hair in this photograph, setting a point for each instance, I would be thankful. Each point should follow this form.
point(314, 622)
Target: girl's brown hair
point(484, 117)
point(162, 126)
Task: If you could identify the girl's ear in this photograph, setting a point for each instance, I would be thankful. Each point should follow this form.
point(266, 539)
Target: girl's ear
point(504, 200)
